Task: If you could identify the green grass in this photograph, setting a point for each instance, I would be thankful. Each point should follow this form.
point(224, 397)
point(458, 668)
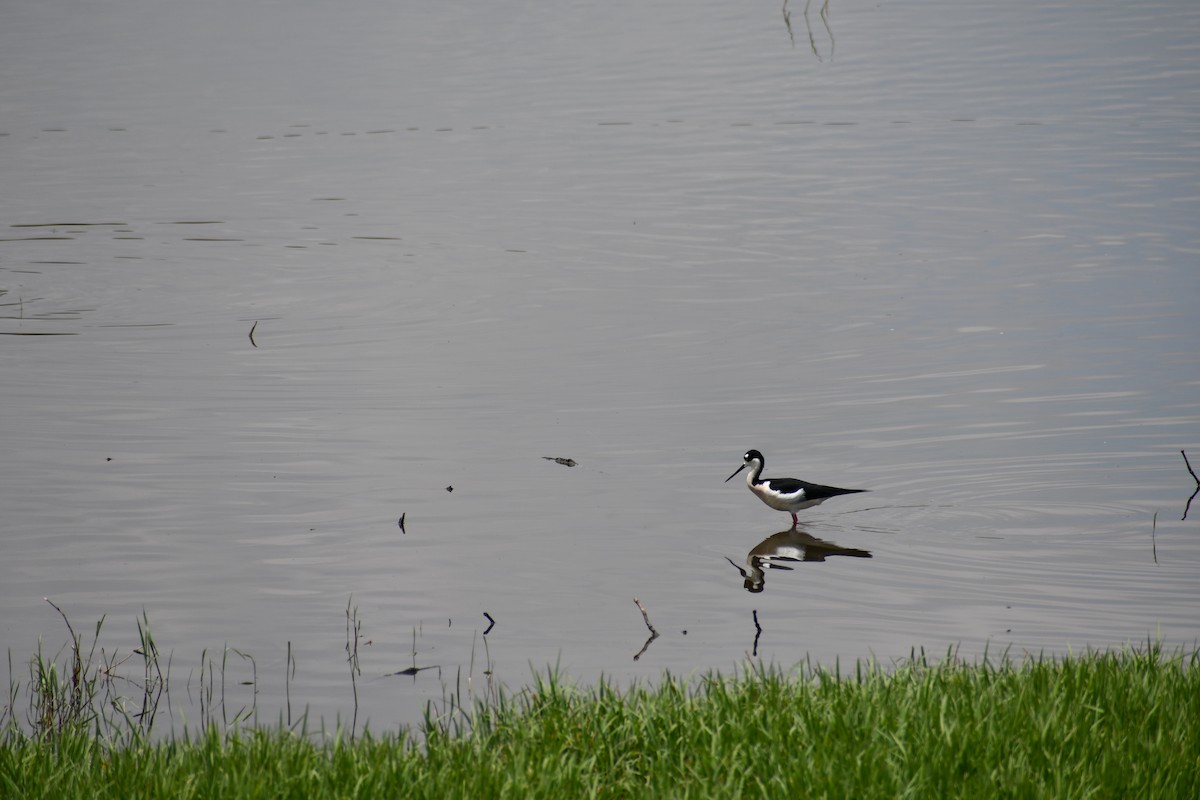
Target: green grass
point(1120, 725)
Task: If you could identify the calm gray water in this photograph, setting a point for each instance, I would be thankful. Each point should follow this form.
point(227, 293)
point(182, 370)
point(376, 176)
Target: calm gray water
point(943, 251)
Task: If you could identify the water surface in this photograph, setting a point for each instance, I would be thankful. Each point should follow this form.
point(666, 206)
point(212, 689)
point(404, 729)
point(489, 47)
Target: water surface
point(942, 252)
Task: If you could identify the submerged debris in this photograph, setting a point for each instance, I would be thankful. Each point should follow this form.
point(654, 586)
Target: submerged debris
point(1188, 464)
point(653, 632)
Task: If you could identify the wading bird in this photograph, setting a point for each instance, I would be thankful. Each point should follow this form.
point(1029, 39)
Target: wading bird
point(785, 494)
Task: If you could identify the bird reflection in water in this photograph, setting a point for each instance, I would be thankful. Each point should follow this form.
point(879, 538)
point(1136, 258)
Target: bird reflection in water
point(789, 546)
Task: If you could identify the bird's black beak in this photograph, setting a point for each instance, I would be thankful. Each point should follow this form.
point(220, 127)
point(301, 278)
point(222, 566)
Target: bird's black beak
point(735, 472)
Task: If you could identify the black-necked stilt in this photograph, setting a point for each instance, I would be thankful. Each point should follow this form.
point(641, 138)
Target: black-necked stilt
point(785, 494)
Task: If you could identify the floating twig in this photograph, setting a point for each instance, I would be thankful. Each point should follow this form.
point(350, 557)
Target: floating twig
point(653, 632)
point(645, 646)
point(1188, 464)
point(252, 327)
point(1188, 507)
point(491, 623)
point(645, 616)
